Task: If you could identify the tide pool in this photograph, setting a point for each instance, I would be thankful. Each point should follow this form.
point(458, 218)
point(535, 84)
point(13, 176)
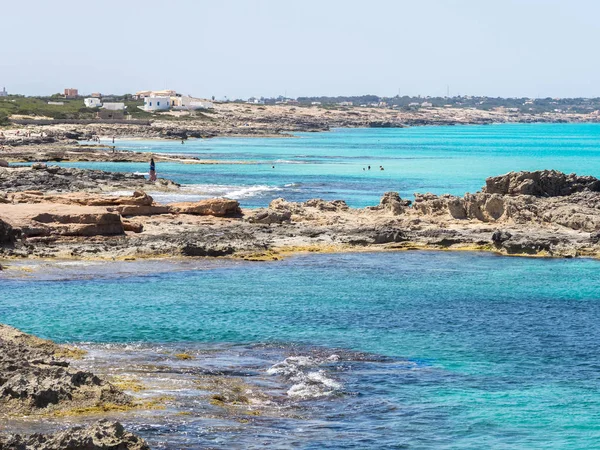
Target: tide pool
point(450, 159)
point(435, 349)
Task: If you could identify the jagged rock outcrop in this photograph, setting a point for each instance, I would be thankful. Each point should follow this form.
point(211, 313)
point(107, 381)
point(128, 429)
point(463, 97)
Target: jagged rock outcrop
point(391, 201)
point(40, 177)
point(35, 378)
point(104, 435)
point(562, 225)
point(324, 205)
point(543, 183)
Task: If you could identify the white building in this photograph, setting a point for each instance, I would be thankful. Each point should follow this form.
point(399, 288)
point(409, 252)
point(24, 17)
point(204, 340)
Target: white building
point(315, 103)
point(426, 104)
point(56, 103)
point(92, 102)
point(157, 103)
point(114, 106)
point(3, 93)
point(185, 102)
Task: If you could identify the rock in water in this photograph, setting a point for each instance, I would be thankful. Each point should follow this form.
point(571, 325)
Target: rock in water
point(104, 435)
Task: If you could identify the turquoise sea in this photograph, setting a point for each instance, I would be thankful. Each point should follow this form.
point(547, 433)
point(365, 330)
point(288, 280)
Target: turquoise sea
point(410, 350)
point(394, 350)
point(330, 165)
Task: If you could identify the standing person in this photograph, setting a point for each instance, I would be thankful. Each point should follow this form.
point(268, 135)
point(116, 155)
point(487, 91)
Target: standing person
point(152, 170)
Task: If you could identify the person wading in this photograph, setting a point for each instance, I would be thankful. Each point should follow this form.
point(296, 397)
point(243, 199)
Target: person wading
point(152, 170)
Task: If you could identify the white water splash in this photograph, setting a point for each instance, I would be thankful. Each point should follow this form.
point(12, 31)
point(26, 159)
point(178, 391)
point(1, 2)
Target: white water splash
point(308, 380)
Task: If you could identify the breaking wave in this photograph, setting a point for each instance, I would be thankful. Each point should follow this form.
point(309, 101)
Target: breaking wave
point(309, 380)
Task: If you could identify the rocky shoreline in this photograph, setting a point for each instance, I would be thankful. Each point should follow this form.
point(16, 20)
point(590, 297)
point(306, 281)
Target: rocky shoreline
point(544, 213)
point(36, 380)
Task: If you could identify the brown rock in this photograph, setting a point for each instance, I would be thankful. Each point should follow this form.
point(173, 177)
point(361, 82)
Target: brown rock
point(219, 207)
point(142, 210)
point(129, 225)
point(543, 183)
point(85, 224)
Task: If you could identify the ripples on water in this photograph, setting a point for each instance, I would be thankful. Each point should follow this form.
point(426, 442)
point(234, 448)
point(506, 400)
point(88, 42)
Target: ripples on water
point(330, 165)
point(369, 350)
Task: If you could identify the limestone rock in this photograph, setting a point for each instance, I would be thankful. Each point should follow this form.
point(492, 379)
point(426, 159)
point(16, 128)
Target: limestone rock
point(142, 210)
point(40, 177)
point(392, 202)
point(543, 183)
point(35, 378)
point(84, 224)
point(269, 216)
point(104, 435)
point(323, 205)
point(130, 225)
point(219, 207)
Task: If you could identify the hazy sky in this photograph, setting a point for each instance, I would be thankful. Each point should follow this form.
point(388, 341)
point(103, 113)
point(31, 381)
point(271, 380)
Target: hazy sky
point(238, 48)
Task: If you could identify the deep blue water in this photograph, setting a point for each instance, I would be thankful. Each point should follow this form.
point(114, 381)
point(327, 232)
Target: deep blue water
point(438, 350)
point(330, 165)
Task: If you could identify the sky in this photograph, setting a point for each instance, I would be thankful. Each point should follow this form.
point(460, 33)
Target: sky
point(244, 48)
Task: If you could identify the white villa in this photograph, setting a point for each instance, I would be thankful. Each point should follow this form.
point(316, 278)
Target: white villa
point(3, 93)
point(185, 102)
point(156, 103)
point(92, 102)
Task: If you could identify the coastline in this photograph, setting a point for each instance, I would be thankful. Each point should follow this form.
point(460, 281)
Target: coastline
point(544, 213)
point(60, 142)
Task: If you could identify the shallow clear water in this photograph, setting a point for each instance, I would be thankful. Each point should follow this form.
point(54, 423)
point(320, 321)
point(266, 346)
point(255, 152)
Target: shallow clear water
point(434, 349)
point(330, 165)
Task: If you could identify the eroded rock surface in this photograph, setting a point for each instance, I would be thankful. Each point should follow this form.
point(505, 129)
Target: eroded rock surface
point(563, 219)
point(104, 435)
point(41, 177)
point(36, 378)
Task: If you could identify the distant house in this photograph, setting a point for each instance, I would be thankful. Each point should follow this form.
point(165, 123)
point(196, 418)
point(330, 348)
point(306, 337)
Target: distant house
point(3, 93)
point(71, 93)
point(426, 105)
point(114, 106)
point(315, 103)
point(156, 104)
point(111, 114)
point(96, 95)
point(185, 102)
point(414, 105)
point(345, 103)
point(92, 102)
point(163, 93)
point(56, 103)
